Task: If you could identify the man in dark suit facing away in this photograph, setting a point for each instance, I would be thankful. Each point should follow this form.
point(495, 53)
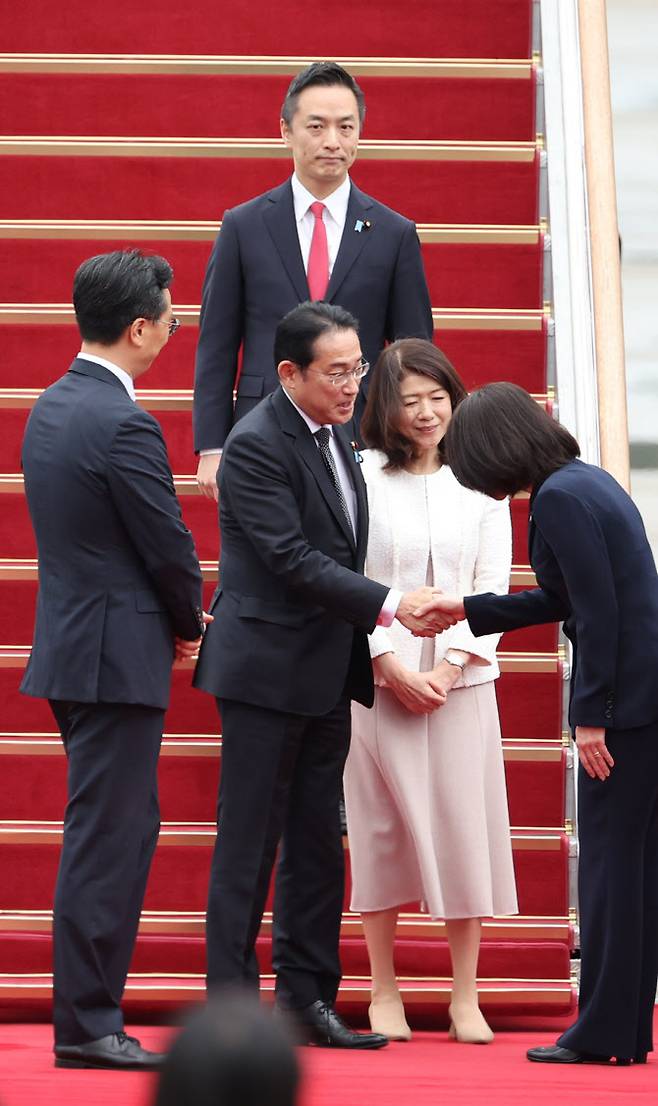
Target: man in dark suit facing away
point(318, 237)
point(286, 653)
point(119, 597)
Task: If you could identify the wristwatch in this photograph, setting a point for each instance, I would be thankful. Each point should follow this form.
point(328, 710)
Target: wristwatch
point(454, 658)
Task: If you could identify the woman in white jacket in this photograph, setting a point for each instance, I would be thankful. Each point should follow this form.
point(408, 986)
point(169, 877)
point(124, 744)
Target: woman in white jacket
point(424, 782)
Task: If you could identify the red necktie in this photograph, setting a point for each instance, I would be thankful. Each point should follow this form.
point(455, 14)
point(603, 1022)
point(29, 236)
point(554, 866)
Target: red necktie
point(318, 258)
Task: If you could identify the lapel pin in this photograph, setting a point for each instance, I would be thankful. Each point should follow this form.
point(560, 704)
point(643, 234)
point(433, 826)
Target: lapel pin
point(362, 224)
point(358, 456)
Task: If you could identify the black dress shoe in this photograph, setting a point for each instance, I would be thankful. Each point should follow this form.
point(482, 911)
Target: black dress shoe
point(117, 1051)
point(555, 1054)
point(321, 1025)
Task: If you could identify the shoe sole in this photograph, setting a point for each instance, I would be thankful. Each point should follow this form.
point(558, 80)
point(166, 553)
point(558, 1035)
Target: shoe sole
point(61, 1062)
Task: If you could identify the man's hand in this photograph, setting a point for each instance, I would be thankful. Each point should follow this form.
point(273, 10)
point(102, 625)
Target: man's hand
point(422, 599)
point(418, 692)
point(592, 751)
point(437, 613)
point(206, 475)
point(189, 650)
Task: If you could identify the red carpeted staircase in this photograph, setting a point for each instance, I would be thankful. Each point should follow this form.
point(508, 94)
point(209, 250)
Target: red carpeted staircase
point(101, 147)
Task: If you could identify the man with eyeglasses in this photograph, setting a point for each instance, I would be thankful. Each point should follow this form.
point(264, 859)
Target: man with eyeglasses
point(316, 236)
point(285, 656)
point(119, 598)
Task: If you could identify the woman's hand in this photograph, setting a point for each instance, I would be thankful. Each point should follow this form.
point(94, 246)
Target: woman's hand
point(592, 751)
point(419, 692)
point(445, 676)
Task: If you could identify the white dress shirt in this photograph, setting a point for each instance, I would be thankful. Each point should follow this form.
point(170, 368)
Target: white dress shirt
point(121, 374)
point(333, 217)
point(392, 601)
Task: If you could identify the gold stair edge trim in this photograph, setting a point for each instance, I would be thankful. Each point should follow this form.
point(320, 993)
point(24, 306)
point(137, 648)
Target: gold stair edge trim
point(445, 318)
point(172, 146)
point(263, 64)
point(206, 230)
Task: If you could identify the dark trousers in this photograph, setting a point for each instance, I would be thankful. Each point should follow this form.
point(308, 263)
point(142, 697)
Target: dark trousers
point(618, 890)
point(110, 832)
point(280, 782)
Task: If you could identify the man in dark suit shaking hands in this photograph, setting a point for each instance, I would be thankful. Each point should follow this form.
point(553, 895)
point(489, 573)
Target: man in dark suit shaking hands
point(315, 237)
point(285, 655)
point(119, 597)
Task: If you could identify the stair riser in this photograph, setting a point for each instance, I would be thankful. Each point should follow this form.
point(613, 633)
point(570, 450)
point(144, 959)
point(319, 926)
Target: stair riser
point(188, 789)
point(471, 28)
point(461, 275)
point(179, 878)
point(530, 706)
point(202, 188)
point(24, 952)
point(17, 604)
point(244, 106)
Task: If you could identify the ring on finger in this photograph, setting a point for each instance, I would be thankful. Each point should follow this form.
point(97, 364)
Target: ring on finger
point(597, 753)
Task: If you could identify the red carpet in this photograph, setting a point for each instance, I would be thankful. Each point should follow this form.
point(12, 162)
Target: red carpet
point(429, 1071)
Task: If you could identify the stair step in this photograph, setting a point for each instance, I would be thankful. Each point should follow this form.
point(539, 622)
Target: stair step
point(150, 187)
point(33, 952)
point(29, 854)
point(455, 105)
point(34, 778)
point(470, 28)
point(482, 275)
point(33, 992)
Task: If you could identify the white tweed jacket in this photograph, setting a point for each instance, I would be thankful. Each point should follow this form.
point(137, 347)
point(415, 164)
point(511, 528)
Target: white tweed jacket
point(469, 537)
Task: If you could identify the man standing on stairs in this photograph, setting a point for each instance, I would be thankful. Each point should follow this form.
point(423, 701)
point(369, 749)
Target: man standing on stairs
point(315, 237)
point(119, 598)
point(286, 655)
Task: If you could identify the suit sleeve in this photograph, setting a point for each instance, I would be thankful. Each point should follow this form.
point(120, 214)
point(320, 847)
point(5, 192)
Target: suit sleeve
point(220, 336)
point(492, 573)
point(142, 490)
point(256, 489)
point(409, 313)
point(495, 614)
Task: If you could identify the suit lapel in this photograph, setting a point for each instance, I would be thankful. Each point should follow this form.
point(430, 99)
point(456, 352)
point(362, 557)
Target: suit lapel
point(279, 218)
point(292, 423)
point(352, 241)
point(354, 469)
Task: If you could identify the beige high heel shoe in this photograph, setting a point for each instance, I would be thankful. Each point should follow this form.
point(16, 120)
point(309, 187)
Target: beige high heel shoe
point(387, 1016)
point(468, 1026)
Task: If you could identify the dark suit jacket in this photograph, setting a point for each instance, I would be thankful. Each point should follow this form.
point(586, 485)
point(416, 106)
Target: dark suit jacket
point(256, 275)
point(118, 573)
point(292, 611)
point(595, 571)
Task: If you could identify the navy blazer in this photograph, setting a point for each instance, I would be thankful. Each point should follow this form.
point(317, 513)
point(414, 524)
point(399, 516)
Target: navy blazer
point(256, 275)
point(118, 572)
point(595, 571)
point(292, 610)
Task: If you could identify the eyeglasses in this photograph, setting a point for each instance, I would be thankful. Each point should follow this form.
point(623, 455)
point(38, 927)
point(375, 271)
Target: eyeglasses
point(172, 324)
point(357, 373)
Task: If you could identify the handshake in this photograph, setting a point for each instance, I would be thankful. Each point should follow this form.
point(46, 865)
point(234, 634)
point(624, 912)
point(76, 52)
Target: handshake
point(427, 611)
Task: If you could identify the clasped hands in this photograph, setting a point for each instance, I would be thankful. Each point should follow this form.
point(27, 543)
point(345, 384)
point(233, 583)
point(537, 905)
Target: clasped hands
point(185, 650)
point(426, 611)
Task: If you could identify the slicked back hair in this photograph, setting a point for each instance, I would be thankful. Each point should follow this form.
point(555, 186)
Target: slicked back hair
point(501, 441)
point(299, 330)
point(327, 73)
point(381, 419)
point(111, 290)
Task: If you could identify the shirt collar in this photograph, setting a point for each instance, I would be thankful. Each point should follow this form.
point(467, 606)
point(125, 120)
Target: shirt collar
point(121, 374)
point(311, 423)
point(336, 203)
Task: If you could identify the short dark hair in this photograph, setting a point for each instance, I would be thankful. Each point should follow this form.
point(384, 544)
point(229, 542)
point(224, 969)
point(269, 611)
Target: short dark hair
point(380, 423)
point(501, 441)
point(231, 1052)
point(111, 290)
point(299, 330)
point(326, 73)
